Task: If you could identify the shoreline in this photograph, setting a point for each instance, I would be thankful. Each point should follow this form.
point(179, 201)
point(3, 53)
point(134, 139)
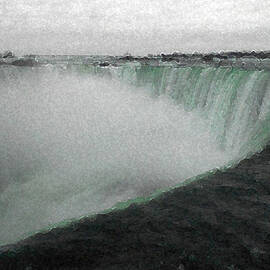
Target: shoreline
point(243, 60)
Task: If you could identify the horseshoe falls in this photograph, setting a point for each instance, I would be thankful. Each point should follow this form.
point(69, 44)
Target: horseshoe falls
point(77, 141)
point(234, 101)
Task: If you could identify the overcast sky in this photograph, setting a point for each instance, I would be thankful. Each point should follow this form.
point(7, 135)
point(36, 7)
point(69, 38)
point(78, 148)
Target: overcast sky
point(136, 26)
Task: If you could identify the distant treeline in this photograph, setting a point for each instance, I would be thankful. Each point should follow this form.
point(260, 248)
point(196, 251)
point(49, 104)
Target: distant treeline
point(220, 55)
point(205, 57)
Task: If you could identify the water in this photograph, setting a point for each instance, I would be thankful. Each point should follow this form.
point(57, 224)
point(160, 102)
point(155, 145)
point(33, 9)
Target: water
point(73, 143)
point(234, 101)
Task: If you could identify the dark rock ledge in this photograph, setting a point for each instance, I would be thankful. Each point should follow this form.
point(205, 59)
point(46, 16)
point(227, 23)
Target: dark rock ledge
point(8, 58)
point(219, 222)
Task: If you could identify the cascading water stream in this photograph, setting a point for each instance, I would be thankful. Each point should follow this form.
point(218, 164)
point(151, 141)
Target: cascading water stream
point(74, 144)
point(236, 102)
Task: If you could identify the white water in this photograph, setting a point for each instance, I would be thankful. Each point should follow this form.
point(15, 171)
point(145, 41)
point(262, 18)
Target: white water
point(73, 145)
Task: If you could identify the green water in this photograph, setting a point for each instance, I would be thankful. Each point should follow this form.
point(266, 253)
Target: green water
point(236, 101)
point(77, 144)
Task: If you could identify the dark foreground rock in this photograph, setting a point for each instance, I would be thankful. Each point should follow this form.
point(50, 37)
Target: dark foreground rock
point(27, 61)
point(7, 54)
point(24, 62)
point(219, 222)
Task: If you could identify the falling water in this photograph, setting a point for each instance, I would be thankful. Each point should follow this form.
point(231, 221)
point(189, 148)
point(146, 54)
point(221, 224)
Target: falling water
point(73, 143)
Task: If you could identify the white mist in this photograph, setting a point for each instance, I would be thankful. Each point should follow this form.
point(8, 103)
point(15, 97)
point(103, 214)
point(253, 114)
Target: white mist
point(73, 145)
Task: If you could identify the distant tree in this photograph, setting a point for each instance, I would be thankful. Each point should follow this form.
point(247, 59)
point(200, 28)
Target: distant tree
point(7, 54)
point(196, 54)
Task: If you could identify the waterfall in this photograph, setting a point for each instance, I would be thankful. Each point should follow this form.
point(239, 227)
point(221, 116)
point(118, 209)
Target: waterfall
point(234, 100)
point(74, 144)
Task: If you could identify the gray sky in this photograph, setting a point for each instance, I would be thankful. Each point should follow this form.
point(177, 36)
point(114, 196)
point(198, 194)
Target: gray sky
point(135, 26)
